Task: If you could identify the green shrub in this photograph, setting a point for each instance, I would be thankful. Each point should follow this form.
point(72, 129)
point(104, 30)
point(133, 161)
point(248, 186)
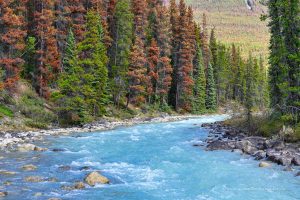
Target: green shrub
point(33, 107)
point(5, 111)
point(36, 124)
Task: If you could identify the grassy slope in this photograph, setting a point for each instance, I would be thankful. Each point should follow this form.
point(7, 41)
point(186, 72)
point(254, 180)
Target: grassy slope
point(234, 22)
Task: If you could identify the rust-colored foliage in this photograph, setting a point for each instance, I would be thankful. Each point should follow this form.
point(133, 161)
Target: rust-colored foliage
point(77, 15)
point(137, 73)
point(12, 37)
point(140, 11)
point(48, 60)
point(205, 42)
point(152, 61)
point(186, 56)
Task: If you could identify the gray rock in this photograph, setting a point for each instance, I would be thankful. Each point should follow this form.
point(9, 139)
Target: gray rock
point(64, 168)
point(297, 174)
point(296, 160)
point(260, 154)
point(219, 145)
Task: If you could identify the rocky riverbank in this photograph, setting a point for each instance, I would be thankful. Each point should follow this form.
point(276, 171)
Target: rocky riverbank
point(222, 137)
point(22, 141)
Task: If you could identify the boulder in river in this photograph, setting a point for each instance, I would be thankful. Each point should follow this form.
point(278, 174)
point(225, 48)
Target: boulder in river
point(94, 178)
point(264, 164)
point(29, 167)
point(26, 147)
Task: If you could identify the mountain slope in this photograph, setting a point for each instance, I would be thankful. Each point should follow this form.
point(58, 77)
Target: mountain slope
point(235, 22)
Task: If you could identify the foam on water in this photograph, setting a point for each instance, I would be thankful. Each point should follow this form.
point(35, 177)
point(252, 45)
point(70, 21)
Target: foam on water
point(149, 162)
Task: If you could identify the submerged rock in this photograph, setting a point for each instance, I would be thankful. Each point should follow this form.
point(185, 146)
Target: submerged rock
point(40, 149)
point(54, 199)
point(64, 168)
point(29, 167)
point(33, 179)
point(85, 168)
point(264, 164)
point(297, 174)
point(94, 178)
point(7, 173)
point(7, 183)
point(79, 185)
point(3, 194)
point(58, 150)
point(38, 194)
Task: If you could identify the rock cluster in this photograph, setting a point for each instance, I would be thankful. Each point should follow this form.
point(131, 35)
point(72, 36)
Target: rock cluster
point(223, 137)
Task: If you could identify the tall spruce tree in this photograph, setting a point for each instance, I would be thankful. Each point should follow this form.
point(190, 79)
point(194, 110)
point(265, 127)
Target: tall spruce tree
point(93, 59)
point(200, 84)
point(210, 101)
point(120, 50)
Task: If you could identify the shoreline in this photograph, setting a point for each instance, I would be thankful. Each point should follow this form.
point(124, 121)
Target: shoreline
point(21, 141)
point(265, 150)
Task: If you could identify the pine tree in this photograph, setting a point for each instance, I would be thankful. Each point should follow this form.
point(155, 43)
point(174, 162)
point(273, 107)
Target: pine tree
point(205, 42)
point(278, 71)
point(70, 51)
point(93, 59)
point(29, 57)
point(47, 56)
point(164, 65)
point(250, 91)
point(213, 48)
point(120, 49)
point(137, 73)
point(70, 99)
point(77, 15)
point(152, 63)
point(291, 37)
point(210, 101)
point(200, 84)
point(175, 41)
point(12, 39)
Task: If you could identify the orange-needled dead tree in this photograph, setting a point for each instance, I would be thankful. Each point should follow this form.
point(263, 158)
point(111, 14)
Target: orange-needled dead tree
point(47, 56)
point(12, 36)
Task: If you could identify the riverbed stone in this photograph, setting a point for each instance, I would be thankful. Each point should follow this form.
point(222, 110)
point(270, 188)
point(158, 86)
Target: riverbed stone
point(297, 174)
point(7, 183)
point(33, 179)
point(94, 178)
point(79, 185)
point(29, 167)
point(7, 173)
point(3, 194)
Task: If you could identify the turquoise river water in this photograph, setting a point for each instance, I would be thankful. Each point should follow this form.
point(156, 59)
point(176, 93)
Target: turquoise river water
point(147, 162)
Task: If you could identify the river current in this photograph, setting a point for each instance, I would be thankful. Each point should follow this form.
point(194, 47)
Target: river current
point(146, 162)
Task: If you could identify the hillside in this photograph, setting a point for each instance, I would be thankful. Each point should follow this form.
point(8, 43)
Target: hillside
point(234, 22)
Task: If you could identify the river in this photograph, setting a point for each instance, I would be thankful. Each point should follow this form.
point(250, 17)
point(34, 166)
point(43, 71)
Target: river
point(146, 162)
